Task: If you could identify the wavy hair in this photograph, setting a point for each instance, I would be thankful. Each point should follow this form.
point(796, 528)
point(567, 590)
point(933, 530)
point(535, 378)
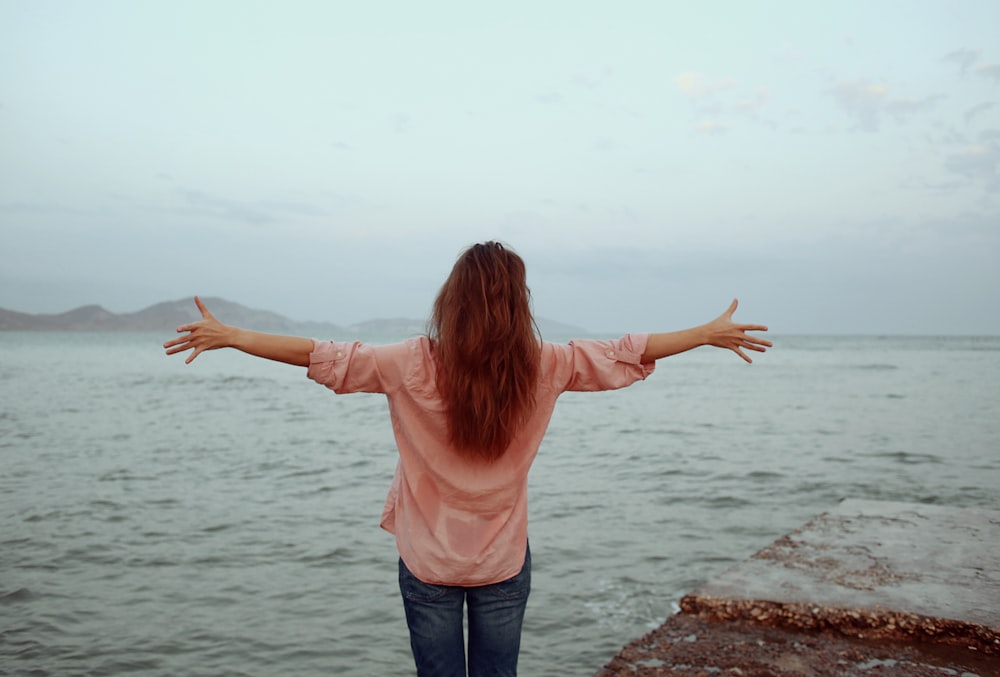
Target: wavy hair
point(487, 350)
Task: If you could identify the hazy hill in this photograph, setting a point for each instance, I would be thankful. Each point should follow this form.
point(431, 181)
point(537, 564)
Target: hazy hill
point(167, 316)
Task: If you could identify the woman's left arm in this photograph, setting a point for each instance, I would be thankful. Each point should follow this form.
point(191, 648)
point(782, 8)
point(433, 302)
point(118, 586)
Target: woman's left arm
point(721, 332)
point(210, 334)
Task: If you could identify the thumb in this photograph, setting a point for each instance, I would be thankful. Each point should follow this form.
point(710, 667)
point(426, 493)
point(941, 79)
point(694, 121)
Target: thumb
point(732, 308)
point(201, 307)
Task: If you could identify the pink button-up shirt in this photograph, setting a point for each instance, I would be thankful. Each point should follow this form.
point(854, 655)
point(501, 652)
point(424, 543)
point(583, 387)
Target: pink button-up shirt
point(459, 521)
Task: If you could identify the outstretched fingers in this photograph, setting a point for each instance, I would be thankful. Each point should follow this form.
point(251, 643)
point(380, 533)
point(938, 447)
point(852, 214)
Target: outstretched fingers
point(738, 351)
point(749, 342)
point(182, 344)
point(205, 315)
point(191, 339)
point(758, 342)
point(201, 307)
point(179, 345)
point(176, 346)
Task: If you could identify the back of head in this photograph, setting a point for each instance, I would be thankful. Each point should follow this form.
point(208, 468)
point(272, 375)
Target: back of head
point(487, 349)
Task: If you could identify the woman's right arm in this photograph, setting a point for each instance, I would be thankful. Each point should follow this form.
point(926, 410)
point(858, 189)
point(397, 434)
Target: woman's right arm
point(210, 334)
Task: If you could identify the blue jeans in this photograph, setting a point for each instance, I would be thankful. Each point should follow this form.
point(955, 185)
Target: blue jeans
point(434, 615)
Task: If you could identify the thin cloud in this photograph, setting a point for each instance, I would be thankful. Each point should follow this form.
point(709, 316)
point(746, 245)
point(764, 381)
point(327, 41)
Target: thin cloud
point(900, 108)
point(862, 101)
point(27, 207)
point(710, 127)
point(252, 212)
point(989, 70)
point(715, 98)
point(697, 85)
point(790, 53)
point(400, 123)
point(548, 98)
point(754, 103)
point(968, 59)
point(868, 103)
point(977, 110)
point(978, 163)
point(964, 58)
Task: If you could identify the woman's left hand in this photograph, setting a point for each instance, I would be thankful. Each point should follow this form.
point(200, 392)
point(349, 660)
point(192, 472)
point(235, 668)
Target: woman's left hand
point(724, 333)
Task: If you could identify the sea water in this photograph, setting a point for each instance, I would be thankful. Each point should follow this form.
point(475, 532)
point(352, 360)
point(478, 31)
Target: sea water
point(221, 518)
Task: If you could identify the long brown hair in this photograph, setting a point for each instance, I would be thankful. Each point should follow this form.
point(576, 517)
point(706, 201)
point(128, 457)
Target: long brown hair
point(487, 349)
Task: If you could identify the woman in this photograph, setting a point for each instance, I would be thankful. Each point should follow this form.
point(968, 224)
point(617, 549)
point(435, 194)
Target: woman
point(469, 405)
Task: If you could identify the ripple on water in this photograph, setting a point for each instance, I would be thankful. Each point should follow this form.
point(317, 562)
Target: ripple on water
point(906, 457)
point(17, 596)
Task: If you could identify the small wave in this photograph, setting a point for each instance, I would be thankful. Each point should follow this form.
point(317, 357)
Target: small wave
point(328, 557)
point(907, 458)
point(11, 542)
point(41, 517)
point(874, 366)
point(727, 502)
point(227, 382)
point(139, 562)
point(16, 596)
point(123, 475)
point(140, 380)
point(163, 502)
point(764, 475)
point(305, 473)
point(104, 503)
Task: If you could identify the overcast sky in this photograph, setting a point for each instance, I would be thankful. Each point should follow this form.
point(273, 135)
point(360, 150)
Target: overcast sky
point(835, 165)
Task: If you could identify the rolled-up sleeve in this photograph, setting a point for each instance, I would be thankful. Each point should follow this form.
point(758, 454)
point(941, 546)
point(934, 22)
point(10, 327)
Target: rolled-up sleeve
point(602, 365)
point(346, 367)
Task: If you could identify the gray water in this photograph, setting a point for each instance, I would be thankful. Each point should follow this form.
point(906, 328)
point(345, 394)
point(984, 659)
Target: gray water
point(222, 518)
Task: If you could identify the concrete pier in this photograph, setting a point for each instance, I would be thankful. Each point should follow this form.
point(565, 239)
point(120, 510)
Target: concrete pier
point(870, 588)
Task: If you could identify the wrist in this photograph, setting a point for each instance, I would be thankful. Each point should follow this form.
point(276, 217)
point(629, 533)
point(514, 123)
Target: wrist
point(704, 334)
point(236, 338)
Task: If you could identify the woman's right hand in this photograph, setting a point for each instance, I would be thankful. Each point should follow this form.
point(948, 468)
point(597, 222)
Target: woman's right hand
point(205, 334)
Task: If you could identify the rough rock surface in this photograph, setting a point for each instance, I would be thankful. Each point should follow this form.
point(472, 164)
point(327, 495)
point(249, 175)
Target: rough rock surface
point(871, 588)
point(691, 646)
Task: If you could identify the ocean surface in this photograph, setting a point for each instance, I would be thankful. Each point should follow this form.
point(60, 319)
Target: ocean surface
point(221, 518)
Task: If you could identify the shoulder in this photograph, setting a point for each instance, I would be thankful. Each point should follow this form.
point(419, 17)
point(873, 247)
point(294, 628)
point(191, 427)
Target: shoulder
point(416, 358)
point(407, 349)
point(417, 348)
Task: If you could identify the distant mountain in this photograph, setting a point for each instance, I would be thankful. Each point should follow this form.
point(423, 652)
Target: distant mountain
point(167, 316)
point(397, 325)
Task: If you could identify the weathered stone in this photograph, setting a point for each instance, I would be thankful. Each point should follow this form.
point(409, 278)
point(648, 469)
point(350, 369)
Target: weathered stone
point(869, 588)
point(693, 646)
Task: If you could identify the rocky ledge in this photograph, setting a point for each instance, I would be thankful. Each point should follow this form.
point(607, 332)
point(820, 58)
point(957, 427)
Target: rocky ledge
point(871, 588)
